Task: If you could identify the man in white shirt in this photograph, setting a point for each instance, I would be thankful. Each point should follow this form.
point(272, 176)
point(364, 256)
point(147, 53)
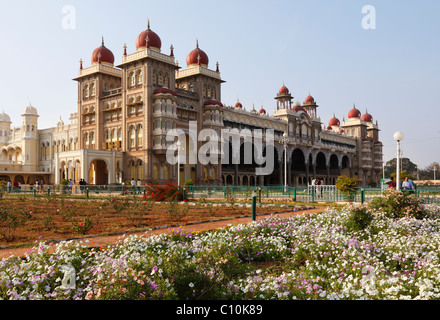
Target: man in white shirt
point(408, 185)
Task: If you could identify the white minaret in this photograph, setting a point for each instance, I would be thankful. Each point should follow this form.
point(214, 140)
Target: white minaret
point(5, 128)
point(29, 130)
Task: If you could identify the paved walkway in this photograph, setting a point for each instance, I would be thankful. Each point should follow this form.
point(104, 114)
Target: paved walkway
point(98, 241)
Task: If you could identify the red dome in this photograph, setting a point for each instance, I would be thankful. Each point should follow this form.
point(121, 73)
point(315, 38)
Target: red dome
point(153, 39)
point(213, 103)
point(283, 90)
point(329, 128)
point(164, 90)
point(309, 99)
point(367, 117)
point(238, 105)
point(193, 57)
point(262, 111)
point(334, 122)
point(297, 108)
point(103, 55)
point(354, 113)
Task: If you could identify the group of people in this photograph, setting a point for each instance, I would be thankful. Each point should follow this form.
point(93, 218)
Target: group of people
point(39, 185)
point(317, 182)
point(407, 184)
point(15, 186)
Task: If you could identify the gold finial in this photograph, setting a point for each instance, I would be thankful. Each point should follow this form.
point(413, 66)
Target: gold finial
point(102, 40)
point(197, 43)
point(148, 24)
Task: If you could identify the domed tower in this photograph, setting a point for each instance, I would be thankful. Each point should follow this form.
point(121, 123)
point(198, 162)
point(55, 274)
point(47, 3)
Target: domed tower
point(310, 105)
point(334, 123)
point(29, 130)
point(148, 39)
point(94, 83)
point(5, 127)
point(103, 55)
point(284, 98)
point(197, 57)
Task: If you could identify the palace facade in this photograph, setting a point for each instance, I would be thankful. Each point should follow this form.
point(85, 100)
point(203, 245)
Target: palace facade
point(125, 111)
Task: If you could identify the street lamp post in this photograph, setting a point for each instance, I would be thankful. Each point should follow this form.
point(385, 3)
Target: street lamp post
point(285, 136)
point(178, 163)
point(398, 136)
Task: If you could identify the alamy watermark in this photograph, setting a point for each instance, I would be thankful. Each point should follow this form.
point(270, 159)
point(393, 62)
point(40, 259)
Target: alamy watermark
point(369, 19)
point(68, 21)
point(258, 147)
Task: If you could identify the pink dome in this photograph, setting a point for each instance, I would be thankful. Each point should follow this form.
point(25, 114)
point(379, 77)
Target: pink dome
point(334, 121)
point(103, 55)
point(153, 39)
point(193, 57)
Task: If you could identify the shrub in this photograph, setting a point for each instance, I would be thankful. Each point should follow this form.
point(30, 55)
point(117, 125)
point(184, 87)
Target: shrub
point(10, 220)
point(359, 218)
point(176, 211)
point(166, 192)
point(82, 227)
point(396, 204)
point(347, 186)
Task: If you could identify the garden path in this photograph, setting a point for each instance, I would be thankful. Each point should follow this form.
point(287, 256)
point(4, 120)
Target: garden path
point(103, 241)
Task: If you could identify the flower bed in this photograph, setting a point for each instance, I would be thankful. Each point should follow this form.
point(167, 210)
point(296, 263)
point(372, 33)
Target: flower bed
point(302, 257)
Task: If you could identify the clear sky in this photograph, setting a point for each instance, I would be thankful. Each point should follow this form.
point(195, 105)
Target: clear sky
point(316, 46)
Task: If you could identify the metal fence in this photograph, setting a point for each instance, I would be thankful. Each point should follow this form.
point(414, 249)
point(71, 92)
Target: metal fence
point(298, 194)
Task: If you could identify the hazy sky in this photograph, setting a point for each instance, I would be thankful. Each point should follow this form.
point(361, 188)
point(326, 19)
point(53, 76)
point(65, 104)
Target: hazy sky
point(393, 71)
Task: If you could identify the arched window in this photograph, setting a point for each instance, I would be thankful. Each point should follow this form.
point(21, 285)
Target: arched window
point(155, 172)
point(140, 170)
point(166, 81)
point(86, 91)
point(154, 77)
point(140, 77)
point(86, 140)
point(120, 137)
point(139, 135)
point(132, 137)
point(132, 169)
point(132, 79)
point(160, 79)
point(92, 89)
point(92, 140)
point(166, 172)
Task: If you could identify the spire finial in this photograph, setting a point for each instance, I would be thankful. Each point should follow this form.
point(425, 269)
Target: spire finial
point(172, 51)
point(197, 43)
point(102, 40)
point(81, 63)
point(125, 49)
point(148, 24)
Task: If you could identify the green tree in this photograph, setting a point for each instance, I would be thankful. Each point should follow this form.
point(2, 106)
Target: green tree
point(427, 173)
point(407, 165)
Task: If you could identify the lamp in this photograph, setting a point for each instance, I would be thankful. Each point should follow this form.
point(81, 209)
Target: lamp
point(285, 136)
point(398, 136)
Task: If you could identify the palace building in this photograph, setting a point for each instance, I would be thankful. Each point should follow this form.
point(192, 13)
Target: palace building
point(125, 111)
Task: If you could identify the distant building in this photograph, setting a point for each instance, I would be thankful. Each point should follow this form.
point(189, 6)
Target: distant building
point(125, 111)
